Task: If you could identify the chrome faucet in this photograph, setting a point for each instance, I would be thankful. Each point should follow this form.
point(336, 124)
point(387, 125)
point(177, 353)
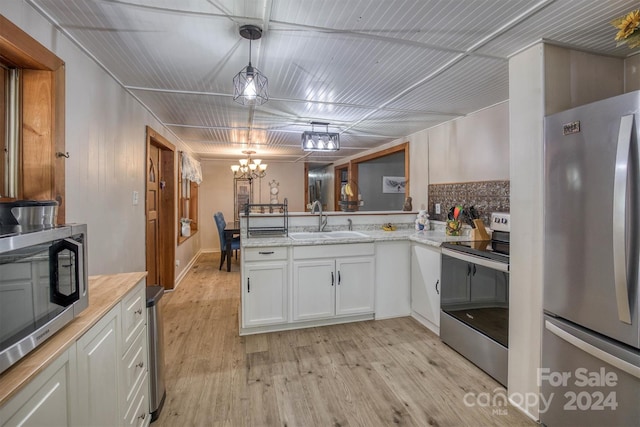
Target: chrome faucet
point(317, 205)
point(350, 224)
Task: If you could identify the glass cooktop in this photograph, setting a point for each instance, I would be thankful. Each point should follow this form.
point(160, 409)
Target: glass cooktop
point(490, 249)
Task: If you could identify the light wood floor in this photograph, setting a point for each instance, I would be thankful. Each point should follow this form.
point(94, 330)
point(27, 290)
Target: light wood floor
point(375, 373)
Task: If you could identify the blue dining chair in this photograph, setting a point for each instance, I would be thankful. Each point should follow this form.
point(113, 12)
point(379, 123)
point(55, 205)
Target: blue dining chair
point(235, 243)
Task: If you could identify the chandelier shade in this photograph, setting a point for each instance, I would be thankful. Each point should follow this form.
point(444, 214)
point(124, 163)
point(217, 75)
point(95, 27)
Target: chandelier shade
point(249, 168)
point(250, 86)
point(320, 141)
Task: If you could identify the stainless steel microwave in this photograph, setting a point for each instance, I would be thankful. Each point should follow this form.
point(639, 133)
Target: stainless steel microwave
point(43, 285)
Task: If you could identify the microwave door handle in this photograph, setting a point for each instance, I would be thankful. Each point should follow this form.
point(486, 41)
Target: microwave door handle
point(79, 251)
point(79, 264)
point(619, 218)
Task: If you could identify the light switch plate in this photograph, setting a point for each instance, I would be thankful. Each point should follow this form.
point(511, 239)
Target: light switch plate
point(135, 198)
point(437, 208)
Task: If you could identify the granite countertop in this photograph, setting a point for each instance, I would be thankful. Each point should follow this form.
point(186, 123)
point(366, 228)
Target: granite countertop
point(430, 237)
point(104, 293)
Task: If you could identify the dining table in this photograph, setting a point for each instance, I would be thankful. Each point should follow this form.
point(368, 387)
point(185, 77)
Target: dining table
point(231, 230)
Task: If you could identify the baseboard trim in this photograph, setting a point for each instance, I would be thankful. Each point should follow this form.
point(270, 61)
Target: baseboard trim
point(186, 270)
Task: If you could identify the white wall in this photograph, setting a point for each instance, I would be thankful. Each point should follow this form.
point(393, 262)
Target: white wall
point(216, 194)
point(632, 73)
point(105, 137)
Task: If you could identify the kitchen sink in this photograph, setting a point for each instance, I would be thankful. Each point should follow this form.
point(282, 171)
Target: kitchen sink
point(326, 235)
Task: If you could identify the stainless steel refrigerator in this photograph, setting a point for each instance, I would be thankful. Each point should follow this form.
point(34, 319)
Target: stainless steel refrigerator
point(590, 373)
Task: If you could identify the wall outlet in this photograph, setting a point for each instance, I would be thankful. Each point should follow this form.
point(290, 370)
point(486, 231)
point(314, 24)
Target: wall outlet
point(437, 208)
point(177, 263)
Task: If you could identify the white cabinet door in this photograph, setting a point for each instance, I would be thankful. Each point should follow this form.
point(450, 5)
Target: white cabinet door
point(98, 365)
point(393, 279)
point(314, 289)
point(264, 291)
point(46, 400)
point(355, 285)
point(425, 284)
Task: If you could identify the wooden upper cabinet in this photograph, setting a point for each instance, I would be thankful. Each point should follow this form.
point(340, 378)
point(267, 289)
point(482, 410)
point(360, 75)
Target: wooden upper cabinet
point(41, 171)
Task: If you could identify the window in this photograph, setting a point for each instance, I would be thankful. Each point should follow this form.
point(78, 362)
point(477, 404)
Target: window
point(33, 80)
point(189, 176)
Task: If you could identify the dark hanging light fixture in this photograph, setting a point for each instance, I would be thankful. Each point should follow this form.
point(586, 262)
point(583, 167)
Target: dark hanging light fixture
point(320, 141)
point(250, 86)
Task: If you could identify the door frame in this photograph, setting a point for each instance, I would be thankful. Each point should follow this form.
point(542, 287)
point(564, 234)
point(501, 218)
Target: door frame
point(167, 224)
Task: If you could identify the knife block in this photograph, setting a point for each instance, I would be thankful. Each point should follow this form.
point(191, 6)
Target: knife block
point(480, 232)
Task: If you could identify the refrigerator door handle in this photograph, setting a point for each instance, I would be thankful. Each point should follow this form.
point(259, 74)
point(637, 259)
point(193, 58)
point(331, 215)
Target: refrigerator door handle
point(619, 218)
point(594, 351)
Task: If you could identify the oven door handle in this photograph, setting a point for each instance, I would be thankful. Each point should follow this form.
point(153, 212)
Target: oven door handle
point(496, 265)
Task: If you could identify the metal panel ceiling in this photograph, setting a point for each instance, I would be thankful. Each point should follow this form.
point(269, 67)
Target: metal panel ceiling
point(377, 71)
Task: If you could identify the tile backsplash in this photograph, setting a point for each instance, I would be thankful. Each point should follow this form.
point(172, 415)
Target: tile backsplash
point(486, 196)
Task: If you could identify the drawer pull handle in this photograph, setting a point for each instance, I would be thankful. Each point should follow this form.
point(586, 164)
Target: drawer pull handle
point(140, 365)
point(266, 252)
point(143, 416)
point(138, 311)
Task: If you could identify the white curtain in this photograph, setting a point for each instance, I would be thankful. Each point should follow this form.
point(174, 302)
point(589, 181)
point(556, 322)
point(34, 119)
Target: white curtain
point(191, 169)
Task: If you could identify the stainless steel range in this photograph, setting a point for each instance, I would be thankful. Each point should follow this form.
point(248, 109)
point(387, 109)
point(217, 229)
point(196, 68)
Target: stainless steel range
point(474, 318)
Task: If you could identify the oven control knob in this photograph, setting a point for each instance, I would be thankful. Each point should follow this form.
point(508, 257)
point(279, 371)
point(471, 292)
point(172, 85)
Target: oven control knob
point(504, 220)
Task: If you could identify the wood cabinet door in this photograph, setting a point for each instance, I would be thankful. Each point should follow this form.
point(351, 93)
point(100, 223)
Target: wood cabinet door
point(264, 291)
point(355, 285)
point(314, 289)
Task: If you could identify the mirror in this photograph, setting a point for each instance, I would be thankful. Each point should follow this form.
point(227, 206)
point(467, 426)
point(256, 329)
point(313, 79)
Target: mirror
point(375, 182)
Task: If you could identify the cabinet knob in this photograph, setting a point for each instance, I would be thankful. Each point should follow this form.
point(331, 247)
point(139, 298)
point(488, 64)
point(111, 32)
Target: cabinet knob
point(143, 416)
point(140, 365)
point(138, 311)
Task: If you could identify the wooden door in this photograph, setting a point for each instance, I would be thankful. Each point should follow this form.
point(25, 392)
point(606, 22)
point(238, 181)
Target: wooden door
point(153, 206)
point(161, 223)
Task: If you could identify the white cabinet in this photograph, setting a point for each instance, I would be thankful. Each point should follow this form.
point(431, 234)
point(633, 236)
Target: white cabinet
point(97, 363)
point(425, 285)
point(45, 401)
point(112, 364)
point(133, 388)
point(393, 279)
point(333, 280)
point(264, 286)
point(355, 285)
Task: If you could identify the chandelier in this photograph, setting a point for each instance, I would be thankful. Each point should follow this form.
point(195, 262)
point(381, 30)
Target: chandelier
point(250, 86)
point(320, 141)
point(249, 168)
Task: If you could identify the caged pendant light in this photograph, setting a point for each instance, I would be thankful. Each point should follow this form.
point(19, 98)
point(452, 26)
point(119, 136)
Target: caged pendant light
point(250, 86)
point(320, 141)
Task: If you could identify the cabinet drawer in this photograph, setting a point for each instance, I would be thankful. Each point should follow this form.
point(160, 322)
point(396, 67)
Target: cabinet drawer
point(333, 251)
point(265, 254)
point(134, 369)
point(138, 412)
point(133, 315)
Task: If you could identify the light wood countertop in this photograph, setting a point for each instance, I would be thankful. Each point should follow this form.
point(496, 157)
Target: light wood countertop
point(104, 293)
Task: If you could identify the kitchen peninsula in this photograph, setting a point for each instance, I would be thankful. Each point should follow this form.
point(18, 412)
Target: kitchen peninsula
point(306, 278)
